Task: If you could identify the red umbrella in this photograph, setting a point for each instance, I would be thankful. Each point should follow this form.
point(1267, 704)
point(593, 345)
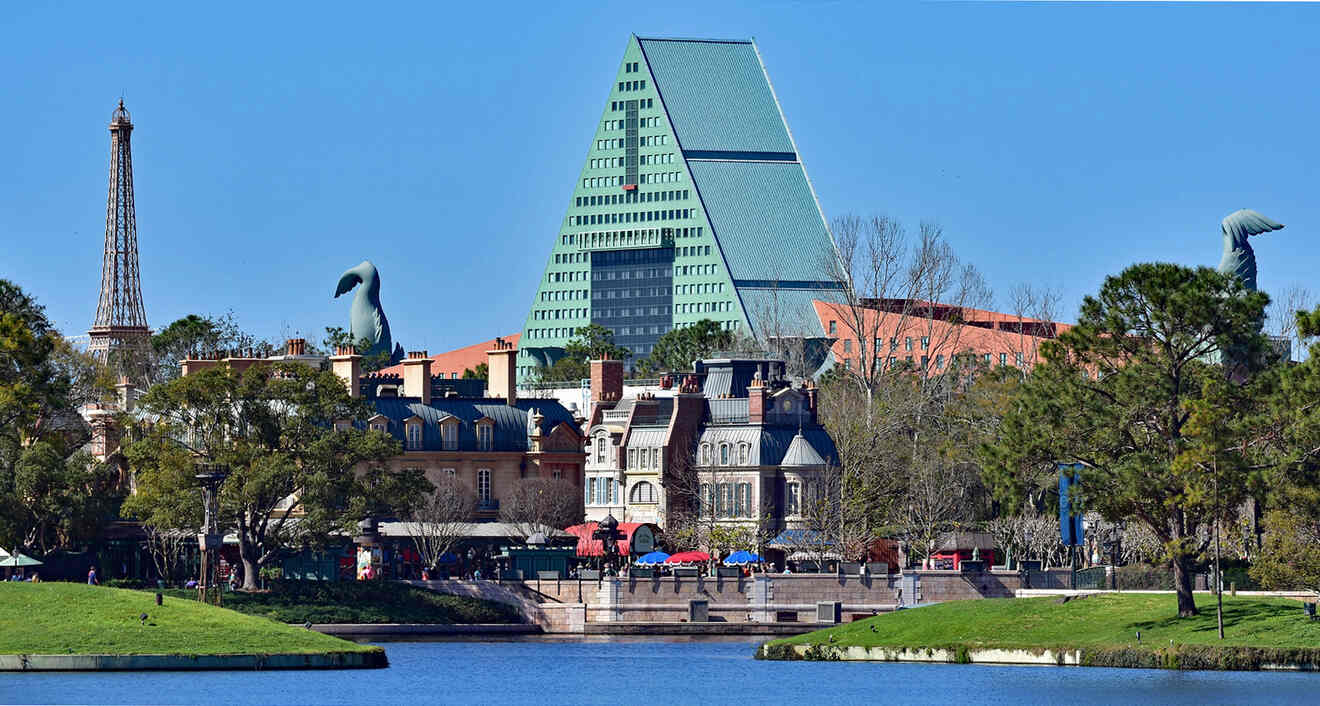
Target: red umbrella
point(688, 558)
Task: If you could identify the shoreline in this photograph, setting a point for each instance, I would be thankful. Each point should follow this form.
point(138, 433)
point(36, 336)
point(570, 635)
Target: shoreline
point(374, 659)
point(1183, 657)
point(369, 631)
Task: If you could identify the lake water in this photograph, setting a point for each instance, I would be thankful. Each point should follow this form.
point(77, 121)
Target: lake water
point(540, 671)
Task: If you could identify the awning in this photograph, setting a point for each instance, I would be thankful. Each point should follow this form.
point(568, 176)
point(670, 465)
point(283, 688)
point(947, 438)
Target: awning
point(588, 547)
point(19, 559)
point(799, 538)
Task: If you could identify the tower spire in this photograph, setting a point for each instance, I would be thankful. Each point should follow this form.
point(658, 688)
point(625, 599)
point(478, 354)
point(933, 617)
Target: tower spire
point(119, 335)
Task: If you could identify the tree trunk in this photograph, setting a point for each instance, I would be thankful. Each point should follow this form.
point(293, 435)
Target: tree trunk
point(249, 554)
point(1182, 584)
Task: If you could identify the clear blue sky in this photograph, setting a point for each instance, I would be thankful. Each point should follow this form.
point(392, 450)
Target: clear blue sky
point(276, 146)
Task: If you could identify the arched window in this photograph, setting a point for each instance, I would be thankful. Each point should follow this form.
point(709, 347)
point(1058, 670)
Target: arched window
point(642, 492)
point(600, 449)
point(744, 451)
point(724, 454)
point(449, 434)
point(705, 454)
point(415, 436)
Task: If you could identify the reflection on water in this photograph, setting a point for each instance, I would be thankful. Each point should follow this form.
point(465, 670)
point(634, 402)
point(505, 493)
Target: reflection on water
point(649, 670)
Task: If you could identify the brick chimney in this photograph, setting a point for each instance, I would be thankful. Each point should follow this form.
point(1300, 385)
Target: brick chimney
point(347, 364)
point(296, 346)
point(606, 380)
point(812, 394)
point(756, 398)
point(127, 394)
point(502, 371)
point(417, 376)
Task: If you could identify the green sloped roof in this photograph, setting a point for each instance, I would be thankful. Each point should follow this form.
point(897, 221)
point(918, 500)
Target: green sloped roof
point(764, 218)
point(717, 95)
point(791, 308)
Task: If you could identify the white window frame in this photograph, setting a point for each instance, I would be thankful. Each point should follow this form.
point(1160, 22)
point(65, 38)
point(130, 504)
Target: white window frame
point(483, 484)
point(415, 436)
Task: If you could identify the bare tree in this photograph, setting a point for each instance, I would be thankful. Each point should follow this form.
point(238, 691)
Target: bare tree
point(1282, 318)
point(166, 547)
point(541, 505)
point(1036, 310)
point(441, 521)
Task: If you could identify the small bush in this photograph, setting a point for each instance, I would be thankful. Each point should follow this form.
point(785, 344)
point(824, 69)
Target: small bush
point(778, 651)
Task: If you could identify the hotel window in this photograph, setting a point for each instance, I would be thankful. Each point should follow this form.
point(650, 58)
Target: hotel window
point(483, 484)
point(925, 362)
point(705, 454)
point(485, 437)
point(847, 345)
point(632, 458)
point(834, 327)
point(342, 425)
point(743, 450)
point(589, 492)
point(414, 436)
point(655, 458)
point(925, 342)
point(1003, 359)
point(707, 500)
point(792, 498)
point(939, 362)
point(724, 454)
point(907, 343)
point(449, 435)
point(449, 472)
point(743, 500)
point(1017, 359)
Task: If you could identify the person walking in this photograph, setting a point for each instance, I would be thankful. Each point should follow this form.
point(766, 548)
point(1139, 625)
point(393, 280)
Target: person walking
point(91, 577)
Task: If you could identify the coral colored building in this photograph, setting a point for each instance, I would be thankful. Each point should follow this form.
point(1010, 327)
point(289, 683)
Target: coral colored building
point(899, 332)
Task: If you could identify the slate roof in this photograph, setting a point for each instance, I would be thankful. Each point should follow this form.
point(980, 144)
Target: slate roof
point(717, 94)
point(769, 444)
point(758, 209)
point(801, 454)
point(510, 432)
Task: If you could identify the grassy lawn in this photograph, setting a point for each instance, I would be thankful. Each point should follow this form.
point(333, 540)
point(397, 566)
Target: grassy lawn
point(301, 602)
point(1101, 620)
point(70, 618)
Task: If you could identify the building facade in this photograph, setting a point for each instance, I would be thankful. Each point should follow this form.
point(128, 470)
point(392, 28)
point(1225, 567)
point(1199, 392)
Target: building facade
point(734, 439)
point(476, 431)
point(693, 203)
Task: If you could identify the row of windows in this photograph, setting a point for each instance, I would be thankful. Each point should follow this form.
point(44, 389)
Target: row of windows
point(449, 435)
point(571, 257)
point(559, 295)
point(638, 85)
point(726, 499)
point(653, 121)
point(551, 333)
point(726, 325)
point(726, 454)
point(644, 273)
point(629, 217)
point(548, 314)
point(642, 104)
point(644, 458)
point(661, 177)
point(571, 276)
point(708, 288)
point(703, 307)
point(602, 182)
point(658, 158)
point(630, 197)
point(644, 236)
point(939, 360)
point(601, 295)
point(689, 270)
point(631, 67)
point(483, 480)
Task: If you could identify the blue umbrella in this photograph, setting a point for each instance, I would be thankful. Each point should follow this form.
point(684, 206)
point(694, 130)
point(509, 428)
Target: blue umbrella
point(652, 559)
point(741, 557)
point(447, 558)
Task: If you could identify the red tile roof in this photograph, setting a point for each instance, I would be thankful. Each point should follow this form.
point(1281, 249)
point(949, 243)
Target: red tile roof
point(453, 363)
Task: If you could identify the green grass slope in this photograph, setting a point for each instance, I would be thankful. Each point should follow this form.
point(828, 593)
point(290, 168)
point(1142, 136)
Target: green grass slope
point(301, 602)
point(68, 618)
point(1257, 631)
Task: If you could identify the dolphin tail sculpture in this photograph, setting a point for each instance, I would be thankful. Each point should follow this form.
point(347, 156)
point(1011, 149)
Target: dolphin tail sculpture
point(1239, 258)
point(366, 317)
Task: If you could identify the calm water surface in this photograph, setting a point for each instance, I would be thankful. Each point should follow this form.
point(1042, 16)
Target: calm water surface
point(644, 672)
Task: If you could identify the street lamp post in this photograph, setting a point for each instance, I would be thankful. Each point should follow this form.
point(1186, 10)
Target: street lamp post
point(609, 535)
point(210, 476)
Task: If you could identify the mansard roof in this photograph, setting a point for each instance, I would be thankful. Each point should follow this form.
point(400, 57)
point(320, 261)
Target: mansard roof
point(511, 422)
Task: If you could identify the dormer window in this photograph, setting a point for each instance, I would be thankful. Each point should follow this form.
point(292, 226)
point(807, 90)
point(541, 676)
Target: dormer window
point(342, 425)
point(600, 449)
point(415, 435)
point(724, 454)
point(378, 422)
point(705, 454)
point(743, 451)
point(378, 426)
point(449, 434)
point(485, 435)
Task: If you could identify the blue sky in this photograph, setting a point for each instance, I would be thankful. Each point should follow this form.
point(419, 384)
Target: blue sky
point(276, 146)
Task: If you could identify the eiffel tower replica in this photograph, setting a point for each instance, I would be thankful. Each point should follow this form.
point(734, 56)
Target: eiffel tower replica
point(119, 336)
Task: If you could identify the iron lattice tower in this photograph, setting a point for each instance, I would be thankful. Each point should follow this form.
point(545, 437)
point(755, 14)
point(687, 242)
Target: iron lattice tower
point(120, 336)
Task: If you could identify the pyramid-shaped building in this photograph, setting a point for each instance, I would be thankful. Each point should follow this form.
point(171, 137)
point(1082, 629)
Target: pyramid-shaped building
point(693, 203)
